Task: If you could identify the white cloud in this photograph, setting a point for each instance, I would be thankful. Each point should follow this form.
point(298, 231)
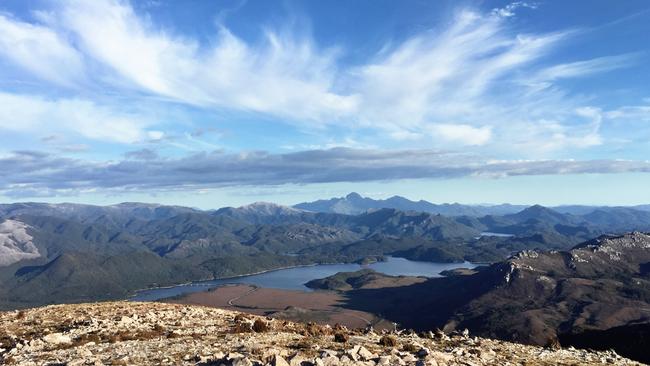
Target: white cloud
point(640, 113)
point(509, 10)
point(33, 114)
point(469, 72)
point(546, 76)
point(41, 51)
point(463, 74)
point(155, 135)
point(283, 76)
point(462, 134)
point(32, 173)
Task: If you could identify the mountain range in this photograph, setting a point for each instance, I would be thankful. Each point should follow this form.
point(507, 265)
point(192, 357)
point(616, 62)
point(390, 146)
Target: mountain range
point(354, 203)
point(549, 276)
point(53, 253)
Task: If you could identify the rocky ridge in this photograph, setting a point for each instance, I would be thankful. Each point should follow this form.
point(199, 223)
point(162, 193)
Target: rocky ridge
point(127, 333)
point(15, 243)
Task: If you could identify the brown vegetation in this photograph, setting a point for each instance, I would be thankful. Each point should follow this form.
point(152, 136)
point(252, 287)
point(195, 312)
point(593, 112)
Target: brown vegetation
point(322, 307)
point(340, 337)
point(388, 341)
point(260, 326)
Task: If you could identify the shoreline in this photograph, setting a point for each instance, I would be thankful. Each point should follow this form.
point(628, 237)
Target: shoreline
point(226, 278)
point(199, 282)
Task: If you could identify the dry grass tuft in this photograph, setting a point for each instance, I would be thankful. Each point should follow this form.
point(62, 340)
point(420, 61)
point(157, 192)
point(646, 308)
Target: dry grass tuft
point(340, 337)
point(410, 347)
point(388, 341)
point(86, 338)
point(260, 326)
point(240, 318)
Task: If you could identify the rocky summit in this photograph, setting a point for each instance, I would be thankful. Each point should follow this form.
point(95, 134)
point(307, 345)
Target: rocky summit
point(129, 333)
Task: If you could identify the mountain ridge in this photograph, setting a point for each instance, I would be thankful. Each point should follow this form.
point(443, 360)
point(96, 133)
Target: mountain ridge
point(354, 203)
point(170, 334)
point(536, 296)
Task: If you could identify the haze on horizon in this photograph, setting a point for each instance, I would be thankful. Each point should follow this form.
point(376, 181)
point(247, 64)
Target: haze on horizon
point(223, 103)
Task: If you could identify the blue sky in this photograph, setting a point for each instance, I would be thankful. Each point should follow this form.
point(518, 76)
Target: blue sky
point(214, 103)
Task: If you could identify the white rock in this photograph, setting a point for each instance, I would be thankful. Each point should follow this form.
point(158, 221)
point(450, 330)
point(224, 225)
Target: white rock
point(331, 361)
point(383, 361)
point(328, 353)
point(365, 354)
point(279, 361)
point(57, 338)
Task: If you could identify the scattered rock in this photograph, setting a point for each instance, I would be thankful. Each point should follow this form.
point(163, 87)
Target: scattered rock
point(122, 333)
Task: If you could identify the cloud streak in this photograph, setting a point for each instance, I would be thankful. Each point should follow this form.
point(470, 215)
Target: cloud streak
point(41, 51)
point(460, 85)
point(284, 75)
point(79, 117)
point(30, 174)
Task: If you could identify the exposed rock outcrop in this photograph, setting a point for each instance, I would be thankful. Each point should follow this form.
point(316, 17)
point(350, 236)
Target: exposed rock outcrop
point(15, 243)
point(123, 333)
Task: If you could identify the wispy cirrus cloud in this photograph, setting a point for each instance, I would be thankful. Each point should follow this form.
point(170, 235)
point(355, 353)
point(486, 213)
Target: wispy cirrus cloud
point(284, 75)
point(546, 76)
point(70, 116)
point(510, 10)
point(42, 51)
point(28, 173)
point(458, 85)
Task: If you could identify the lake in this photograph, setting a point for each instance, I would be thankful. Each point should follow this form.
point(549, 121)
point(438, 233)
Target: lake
point(295, 278)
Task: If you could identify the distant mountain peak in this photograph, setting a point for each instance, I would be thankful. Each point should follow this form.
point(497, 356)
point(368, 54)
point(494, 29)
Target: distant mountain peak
point(538, 212)
point(268, 208)
point(261, 204)
point(537, 208)
point(136, 204)
point(354, 204)
point(353, 196)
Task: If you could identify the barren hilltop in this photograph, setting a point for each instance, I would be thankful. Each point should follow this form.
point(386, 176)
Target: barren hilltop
point(127, 333)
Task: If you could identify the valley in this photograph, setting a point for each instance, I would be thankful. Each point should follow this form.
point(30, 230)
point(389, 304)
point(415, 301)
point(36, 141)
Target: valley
point(546, 277)
point(317, 307)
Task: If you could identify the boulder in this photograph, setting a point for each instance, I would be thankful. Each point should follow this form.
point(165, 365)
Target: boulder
point(57, 338)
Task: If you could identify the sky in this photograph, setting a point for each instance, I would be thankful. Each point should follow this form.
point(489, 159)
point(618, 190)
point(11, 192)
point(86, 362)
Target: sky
point(212, 103)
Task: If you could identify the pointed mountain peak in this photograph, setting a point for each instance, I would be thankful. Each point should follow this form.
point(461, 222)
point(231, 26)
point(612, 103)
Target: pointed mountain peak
point(540, 212)
point(536, 210)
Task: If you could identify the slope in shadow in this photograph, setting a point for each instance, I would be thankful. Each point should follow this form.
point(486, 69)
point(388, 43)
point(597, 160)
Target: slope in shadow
point(422, 306)
point(631, 341)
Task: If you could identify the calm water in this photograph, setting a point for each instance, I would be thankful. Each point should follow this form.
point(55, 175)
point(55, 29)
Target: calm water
point(500, 235)
point(295, 278)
